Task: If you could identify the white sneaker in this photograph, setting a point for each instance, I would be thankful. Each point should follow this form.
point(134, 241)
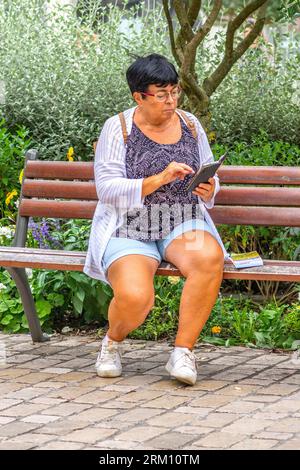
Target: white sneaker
point(108, 362)
point(182, 365)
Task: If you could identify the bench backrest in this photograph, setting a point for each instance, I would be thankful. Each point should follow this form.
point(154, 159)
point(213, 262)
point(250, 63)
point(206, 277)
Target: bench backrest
point(249, 195)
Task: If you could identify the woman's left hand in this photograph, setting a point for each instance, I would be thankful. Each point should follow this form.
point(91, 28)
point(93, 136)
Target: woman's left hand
point(205, 190)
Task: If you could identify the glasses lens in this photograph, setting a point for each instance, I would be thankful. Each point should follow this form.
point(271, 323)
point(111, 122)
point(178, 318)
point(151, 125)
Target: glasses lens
point(175, 94)
point(161, 96)
point(164, 95)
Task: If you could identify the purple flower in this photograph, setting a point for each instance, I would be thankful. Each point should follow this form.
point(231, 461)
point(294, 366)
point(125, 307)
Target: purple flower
point(41, 232)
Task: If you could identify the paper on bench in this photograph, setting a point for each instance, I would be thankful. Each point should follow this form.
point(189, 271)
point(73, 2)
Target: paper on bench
point(246, 260)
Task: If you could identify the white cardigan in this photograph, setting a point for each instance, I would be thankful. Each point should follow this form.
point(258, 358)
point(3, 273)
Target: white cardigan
point(117, 193)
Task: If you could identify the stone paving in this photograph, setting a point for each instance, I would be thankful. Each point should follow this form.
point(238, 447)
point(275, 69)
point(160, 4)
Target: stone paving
point(51, 398)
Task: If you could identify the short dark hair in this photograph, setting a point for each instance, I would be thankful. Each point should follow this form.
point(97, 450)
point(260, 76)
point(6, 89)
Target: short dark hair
point(153, 69)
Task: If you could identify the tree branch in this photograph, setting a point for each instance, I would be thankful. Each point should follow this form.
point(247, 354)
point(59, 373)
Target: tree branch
point(238, 21)
point(191, 48)
point(171, 33)
point(193, 11)
point(250, 38)
point(186, 31)
point(232, 55)
point(191, 82)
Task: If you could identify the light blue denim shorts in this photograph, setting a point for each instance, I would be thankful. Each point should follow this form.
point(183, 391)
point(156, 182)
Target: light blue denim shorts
point(120, 246)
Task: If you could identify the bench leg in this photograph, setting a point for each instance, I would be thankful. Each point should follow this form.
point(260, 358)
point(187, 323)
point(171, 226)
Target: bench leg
point(20, 277)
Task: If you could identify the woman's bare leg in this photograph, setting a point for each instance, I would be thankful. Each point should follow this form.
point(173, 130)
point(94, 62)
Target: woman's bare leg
point(131, 277)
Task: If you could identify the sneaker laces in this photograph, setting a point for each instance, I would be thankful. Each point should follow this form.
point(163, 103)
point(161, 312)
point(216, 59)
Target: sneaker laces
point(188, 359)
point(109, 352)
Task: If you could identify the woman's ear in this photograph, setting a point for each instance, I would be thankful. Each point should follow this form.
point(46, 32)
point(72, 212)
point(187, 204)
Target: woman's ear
point(137, 97)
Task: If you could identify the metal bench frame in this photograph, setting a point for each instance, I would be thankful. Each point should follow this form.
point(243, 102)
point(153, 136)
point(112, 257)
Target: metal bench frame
point(67, 190)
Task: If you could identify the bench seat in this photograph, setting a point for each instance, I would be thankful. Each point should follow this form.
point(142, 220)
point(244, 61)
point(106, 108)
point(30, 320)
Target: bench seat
point(62, 260)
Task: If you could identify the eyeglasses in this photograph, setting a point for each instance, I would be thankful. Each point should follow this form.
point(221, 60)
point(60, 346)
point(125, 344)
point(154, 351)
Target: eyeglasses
point(163, 95)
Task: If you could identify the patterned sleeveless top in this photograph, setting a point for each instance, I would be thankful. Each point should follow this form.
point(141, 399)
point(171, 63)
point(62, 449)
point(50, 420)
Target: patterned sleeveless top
point(170, 205)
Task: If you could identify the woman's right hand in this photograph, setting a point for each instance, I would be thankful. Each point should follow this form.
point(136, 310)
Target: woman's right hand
point(175, 171)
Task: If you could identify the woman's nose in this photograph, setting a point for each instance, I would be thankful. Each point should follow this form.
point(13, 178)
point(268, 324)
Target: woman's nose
point(169, 98)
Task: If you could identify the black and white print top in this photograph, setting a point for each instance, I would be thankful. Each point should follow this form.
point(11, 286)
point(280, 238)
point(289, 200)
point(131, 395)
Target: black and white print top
point(171, 203)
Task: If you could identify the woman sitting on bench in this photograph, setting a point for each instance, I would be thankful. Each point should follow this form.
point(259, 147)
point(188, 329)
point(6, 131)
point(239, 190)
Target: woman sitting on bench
point(145, 158)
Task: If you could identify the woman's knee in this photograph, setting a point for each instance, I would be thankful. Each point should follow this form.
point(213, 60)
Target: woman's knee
point(208, 260)
point(132, 282)
point(135, 298)
point(212, 259)
point(214, 256)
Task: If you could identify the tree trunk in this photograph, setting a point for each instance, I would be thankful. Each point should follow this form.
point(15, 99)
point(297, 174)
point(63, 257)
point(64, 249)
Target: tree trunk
point(199, 106)
point(184, 46)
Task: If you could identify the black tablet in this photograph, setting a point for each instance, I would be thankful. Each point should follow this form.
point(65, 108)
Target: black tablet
point(205, 172)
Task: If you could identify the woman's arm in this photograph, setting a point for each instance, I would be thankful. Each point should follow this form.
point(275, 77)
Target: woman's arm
point(110, 173)
point(206, 156)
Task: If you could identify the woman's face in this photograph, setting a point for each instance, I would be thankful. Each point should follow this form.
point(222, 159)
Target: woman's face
point(160, 106)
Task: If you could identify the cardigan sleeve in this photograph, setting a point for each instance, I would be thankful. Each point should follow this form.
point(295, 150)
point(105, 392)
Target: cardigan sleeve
point(206, 156)
point(110, 173)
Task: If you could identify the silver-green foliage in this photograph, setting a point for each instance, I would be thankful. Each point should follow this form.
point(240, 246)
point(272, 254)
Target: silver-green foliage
point(63, 78)
point(260, 92)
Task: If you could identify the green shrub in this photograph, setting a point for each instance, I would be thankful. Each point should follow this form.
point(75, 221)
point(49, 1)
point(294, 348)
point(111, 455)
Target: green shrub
point(261, 92)
point(242, 322)
point(292, 318)
point(261, 151)
point(64, 75)
point(234, 320)
point(13, 145)
point(61, 296)
point(63, 78)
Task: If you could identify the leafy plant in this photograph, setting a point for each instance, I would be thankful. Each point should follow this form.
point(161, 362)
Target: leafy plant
point(13, 146)
point(292, 318)
point(260, 93)
point(260, 150)
point(59, 296)
point(76, 78)
point(241, 323)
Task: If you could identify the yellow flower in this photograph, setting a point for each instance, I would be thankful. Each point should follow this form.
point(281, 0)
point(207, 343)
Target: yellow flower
point(70, 154)
point(21, 175)
point(10, 196)
point(212, 137)
point(216, 330)
point(173, 279)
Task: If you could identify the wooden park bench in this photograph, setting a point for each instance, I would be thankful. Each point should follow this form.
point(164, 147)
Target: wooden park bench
point(268, 196)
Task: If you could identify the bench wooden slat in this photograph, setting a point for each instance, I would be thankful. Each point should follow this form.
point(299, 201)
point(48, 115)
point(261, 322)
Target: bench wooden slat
point(74, 261)
point(229, 195)
point(231, 215)
point(239, 215)
point(263, 196)
point(229, 174)
point(243, 174)
point(60, 170)
point(58, 209)
point(59, 189)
